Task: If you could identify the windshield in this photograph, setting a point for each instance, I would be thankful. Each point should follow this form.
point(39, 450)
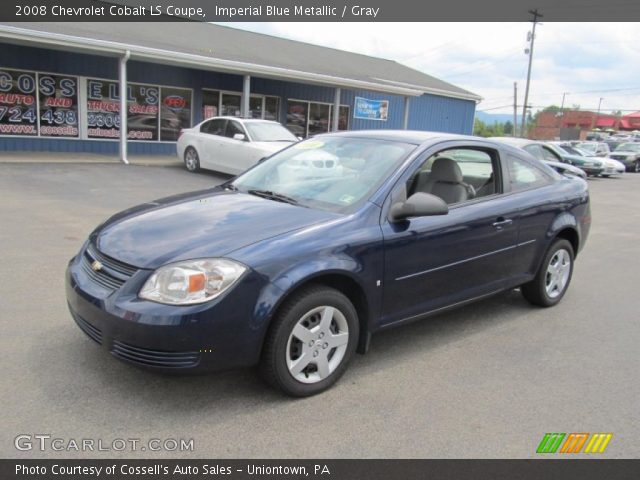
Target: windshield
point(329, 173)
point(269, 132)
point(572, 151)
point(588, 147)
point(629, 147)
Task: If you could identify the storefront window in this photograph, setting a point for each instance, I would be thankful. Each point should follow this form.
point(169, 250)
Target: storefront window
point(175, 112)
point(142, 118)
point(103, 109)
point(297, 117)
point(230, 105)
point(18, 103)
point(255, 107)
point(305, 119)
point(210, 103)
point(58, 106)
point(271, 108)
point(318, 118)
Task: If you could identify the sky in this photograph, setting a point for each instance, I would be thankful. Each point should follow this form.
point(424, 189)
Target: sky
point(591, 63)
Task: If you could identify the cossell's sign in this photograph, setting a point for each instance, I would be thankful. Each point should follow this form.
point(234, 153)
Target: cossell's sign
point(371, 109)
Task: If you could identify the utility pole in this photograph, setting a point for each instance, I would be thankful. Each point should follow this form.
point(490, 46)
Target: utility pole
point(532, 36)
point(515, 110)
point(598, 114)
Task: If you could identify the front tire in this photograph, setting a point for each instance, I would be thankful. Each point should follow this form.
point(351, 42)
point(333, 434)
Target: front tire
point(191, 159)
point(311, 341)
point(553, 278)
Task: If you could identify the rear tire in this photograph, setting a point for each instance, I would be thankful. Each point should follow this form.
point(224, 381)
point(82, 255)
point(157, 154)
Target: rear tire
point(636, 167)
point(191, 160)
point(554, 276)
point(310, 342)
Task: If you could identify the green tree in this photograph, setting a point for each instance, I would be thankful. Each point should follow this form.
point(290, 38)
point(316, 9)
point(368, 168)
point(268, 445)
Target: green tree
point(508, 128)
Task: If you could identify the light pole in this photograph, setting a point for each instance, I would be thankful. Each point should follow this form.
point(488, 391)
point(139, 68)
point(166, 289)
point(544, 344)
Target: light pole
point(562, 105)
point(598, 114)
point(531, 39)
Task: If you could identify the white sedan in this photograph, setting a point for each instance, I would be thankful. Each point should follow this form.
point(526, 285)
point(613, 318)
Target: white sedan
point(230, 144)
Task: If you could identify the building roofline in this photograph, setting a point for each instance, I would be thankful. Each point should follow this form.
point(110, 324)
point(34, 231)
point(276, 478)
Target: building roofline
point(156, 55)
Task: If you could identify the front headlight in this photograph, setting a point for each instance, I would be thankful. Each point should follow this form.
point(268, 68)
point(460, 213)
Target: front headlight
point(191, 281)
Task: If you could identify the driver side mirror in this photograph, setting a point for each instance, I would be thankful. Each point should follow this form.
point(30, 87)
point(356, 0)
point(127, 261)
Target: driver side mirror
point(419, 204)
point(239, 136)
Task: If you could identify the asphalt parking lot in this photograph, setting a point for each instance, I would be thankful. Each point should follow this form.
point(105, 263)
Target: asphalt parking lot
point(484, 381)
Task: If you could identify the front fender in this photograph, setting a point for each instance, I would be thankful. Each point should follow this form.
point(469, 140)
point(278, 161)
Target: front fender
point(306, 272)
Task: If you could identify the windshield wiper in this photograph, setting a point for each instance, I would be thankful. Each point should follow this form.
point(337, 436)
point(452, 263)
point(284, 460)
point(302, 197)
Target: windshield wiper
point(278, 197)
point(231, 186)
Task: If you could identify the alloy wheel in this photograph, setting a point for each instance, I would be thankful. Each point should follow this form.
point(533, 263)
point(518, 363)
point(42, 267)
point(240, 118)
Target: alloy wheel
point(558, 272)
point(191, 159)
point(317, 344)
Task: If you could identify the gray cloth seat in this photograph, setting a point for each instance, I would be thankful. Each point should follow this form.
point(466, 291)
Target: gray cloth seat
point(445, 181)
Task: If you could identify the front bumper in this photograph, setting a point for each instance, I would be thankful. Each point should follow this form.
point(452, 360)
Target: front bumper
point(591, 170)
point(221, 334)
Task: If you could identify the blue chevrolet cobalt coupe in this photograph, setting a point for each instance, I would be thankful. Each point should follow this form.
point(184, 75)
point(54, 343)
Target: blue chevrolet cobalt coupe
point(294, 264)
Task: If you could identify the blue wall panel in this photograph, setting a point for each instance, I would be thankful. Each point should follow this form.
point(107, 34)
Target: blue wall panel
point(428, 112)
point(441, 114)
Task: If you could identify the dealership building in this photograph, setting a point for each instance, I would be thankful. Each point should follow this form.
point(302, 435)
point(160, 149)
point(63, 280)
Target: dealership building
point(60, 86)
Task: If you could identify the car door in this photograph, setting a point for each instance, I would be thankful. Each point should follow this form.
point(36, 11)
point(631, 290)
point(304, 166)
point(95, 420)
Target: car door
point(208, 143)
point(235, 154)
point(436, 261)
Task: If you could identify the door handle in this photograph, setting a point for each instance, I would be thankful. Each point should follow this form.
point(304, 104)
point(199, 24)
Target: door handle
point(502, 222)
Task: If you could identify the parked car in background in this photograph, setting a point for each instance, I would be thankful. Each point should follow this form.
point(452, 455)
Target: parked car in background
point(231, 145)
point(609, 165)
point(545, 153)
point(294, 264)
point(599, 149)
point(590, 165)
point(629, 155)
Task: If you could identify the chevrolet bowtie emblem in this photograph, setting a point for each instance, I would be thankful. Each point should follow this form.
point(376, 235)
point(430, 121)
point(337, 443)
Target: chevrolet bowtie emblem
point(96, 265)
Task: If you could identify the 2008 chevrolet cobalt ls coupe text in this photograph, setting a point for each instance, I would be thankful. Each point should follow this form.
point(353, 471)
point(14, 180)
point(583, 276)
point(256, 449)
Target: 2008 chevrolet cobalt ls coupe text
point(295, 263)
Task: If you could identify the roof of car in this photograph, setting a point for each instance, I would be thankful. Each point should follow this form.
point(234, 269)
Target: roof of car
point(514, 141)
point(244, 120)
point(415, 137)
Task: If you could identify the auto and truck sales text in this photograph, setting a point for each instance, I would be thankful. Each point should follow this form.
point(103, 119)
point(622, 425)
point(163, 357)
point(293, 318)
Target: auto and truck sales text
point(195, 13)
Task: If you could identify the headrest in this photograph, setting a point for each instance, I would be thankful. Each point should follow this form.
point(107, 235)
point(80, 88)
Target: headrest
point(446, 170)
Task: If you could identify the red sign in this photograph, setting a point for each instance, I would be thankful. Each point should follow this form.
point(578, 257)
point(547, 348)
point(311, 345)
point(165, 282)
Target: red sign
point(175, 102)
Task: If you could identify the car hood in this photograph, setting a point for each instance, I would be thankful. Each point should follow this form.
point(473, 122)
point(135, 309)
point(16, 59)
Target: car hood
point(272, 147)
point(566, 168)
point(580, 160)
point(198, 225)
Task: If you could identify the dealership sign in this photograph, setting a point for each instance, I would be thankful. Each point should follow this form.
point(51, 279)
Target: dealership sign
point(368, 109)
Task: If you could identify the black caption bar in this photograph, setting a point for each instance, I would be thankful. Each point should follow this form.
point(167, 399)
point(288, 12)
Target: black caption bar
point(316, 10)
point(320, 469)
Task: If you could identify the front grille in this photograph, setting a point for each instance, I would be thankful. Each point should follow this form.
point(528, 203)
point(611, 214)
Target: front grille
point(92, 332)
point(154, 358)
point(112, 273)
point(618, 157)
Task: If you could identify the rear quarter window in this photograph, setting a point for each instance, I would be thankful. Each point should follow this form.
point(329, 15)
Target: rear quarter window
point(524, 175)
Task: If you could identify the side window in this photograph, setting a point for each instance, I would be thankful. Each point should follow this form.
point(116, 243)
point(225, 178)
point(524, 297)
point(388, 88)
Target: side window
point(204, 128)
point(535, 150)
point(213, 127)
point(233, 128)
point(457, 175)
point(523, 175)
point(550, 155)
